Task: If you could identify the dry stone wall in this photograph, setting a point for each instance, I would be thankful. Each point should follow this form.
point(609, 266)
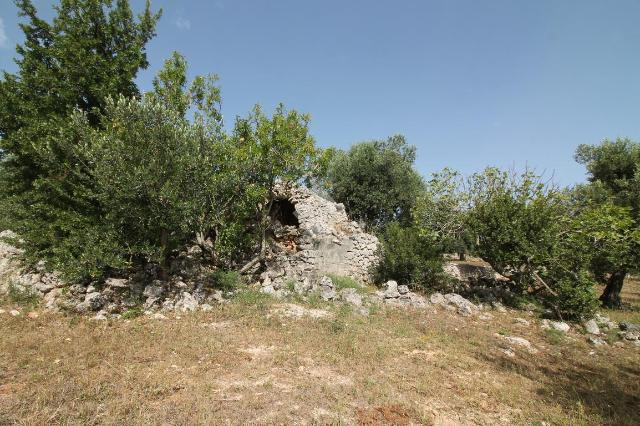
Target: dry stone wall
point(320, 241)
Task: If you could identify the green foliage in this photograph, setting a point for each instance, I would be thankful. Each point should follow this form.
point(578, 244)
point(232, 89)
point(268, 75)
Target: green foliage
point(440, 213)
point(409, 259)
point(341, 282)
point(22, 296)
point(526, 232)
point(555, 337)
point(225, 280)
point(90, 51)
point(132, 313)
point(614, 175)
point(375, 181)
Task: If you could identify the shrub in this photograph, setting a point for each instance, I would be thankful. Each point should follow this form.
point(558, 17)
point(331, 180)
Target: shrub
point(409, 259)
point(23, 296)
point(375, 181)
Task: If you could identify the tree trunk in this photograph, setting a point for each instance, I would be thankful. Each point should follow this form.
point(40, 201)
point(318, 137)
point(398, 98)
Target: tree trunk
point(164, 265)
point(611, 295)
point(462, 256)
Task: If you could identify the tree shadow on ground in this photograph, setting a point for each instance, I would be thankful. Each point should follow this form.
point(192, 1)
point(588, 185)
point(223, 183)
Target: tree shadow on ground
point(608, 389)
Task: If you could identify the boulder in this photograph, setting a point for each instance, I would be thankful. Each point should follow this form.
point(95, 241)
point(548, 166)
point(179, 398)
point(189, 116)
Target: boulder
point(591, 327)
point(555, 325)
point(94, 300)
point(186, 303)
point(438, 299)
point(464, 307)
point(403, 289)
point(391, 290)
point(351, 296)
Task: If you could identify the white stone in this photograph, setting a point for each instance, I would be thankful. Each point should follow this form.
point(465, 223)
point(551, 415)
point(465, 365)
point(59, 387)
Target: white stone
point(591, 327)
point(437, 299)
point(186, 303)
point(391, 290)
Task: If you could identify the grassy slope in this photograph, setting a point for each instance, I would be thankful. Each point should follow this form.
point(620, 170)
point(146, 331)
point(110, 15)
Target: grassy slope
point(241, 365)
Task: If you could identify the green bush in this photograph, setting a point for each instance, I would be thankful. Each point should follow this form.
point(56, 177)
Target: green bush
point(409, 259)
point(375, 181)
point(23, 296)
point(225, 280)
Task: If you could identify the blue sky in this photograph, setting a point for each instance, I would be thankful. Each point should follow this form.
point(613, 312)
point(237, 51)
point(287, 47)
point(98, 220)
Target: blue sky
point(471, 83)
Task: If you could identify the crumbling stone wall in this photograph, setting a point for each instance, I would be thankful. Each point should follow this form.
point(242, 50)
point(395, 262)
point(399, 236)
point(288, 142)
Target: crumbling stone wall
point(323, 241)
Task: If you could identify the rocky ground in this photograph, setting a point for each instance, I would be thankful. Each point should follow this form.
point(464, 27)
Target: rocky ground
point(255, 359)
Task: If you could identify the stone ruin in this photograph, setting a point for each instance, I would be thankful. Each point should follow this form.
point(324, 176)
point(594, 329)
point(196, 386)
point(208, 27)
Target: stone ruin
point(313, 237)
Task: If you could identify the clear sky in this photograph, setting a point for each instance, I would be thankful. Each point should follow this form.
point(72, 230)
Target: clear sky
point(471, 83)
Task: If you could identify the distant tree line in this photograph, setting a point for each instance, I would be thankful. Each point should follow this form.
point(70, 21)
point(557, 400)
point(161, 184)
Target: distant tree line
point(98, 178)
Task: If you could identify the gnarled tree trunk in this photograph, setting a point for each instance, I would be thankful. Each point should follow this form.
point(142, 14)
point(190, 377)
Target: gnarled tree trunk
point(611, 295)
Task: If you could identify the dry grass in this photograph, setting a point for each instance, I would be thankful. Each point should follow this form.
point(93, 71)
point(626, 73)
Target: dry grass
point(243, 365)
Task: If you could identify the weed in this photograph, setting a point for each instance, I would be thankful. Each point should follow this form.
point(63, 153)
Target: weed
point(290, 285)
point(224, 280)
point(342, 282)
point(251, 297)
point(555, 337)
point(23, 296)
point(132, 313)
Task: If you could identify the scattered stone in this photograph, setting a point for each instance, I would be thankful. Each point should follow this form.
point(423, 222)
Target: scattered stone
point(158, 316)
point(604, 321)
point(630, 335)
point(296, 311)
point(464, 307)
point(519, 341)
point(205, 307)
point(591, 327)
point(486, 317)
point(33, 315)
point(14, 313)
point(555, 325)
point(522, 321)
point(403, 289)
point(627, 326)
point(100, 316)
point(351, 296)
point(596, 341)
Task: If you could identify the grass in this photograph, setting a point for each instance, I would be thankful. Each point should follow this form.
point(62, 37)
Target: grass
point(244, 364)
point(342, 282)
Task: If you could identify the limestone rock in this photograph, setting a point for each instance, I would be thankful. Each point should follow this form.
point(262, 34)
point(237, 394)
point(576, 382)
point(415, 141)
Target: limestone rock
point(464, 307)
point(591, 327)
point(596, 341)
point(438, 299)
point(391, 290)
point(94, 301)
point(555, 325)
point(186, 303)
point(519, 341)
point(351, 296)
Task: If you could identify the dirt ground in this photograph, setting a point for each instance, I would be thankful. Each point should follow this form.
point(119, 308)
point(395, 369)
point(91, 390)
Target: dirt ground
point(248, 362)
